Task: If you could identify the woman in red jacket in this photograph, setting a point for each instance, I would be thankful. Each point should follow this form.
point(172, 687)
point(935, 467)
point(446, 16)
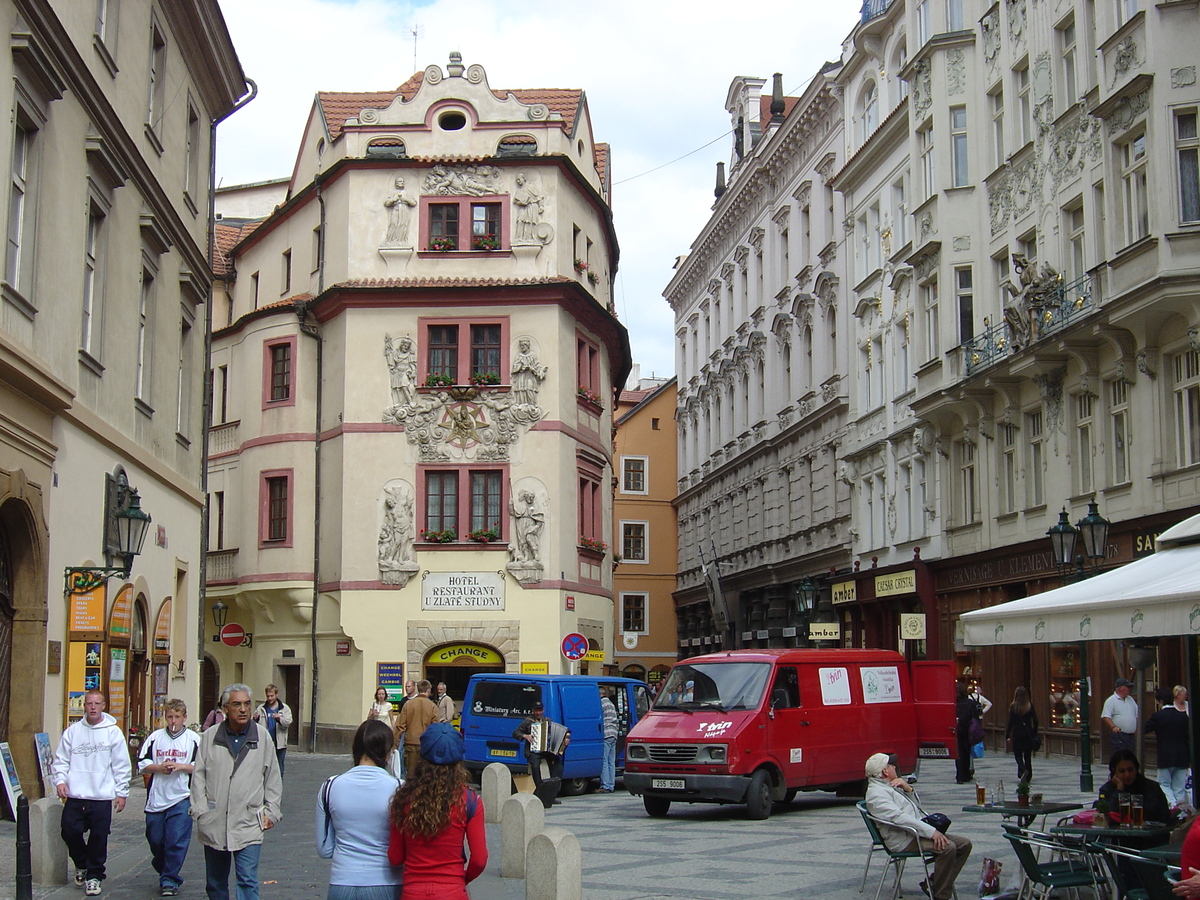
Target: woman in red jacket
point(433, 812)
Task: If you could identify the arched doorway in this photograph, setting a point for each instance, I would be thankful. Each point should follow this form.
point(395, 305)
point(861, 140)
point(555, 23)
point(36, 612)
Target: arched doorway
point(634, 670)
point(7, 612)
point(456, 663)
point(139, 669)
point(210, 688)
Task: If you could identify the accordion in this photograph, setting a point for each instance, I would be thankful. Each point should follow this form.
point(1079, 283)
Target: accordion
point(548, 737)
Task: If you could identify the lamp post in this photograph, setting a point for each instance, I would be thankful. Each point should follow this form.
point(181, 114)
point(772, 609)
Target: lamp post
point(806, 602)
point(220, 613)
point(132, 525)
point(1093, 529)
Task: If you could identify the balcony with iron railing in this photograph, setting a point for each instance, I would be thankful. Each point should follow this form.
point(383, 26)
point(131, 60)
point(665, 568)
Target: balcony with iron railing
point(1064, 305)
point(874, 8)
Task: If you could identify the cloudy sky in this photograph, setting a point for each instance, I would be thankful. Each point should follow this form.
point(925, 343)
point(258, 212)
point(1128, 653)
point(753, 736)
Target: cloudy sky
point(655, 72)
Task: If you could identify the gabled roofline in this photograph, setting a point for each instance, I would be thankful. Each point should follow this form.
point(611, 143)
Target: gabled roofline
point(674, 380)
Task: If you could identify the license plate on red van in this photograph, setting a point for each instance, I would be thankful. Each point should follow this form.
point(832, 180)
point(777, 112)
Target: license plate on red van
point(668, 784)
point(928, 752)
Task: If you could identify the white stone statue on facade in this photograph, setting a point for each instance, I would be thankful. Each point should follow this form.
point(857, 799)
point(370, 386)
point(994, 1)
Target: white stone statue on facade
point(399, 209)
point(402, 370)
point(397, 532)
point(527, 374)
point(530, 208)
point(528, 521)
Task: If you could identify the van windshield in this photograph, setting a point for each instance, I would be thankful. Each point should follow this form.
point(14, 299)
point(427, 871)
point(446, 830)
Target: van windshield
point(510, 699)
point(724, 686)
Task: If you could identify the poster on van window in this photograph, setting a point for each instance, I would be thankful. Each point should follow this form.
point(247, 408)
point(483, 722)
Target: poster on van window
point(835, 687)
point(880, 684)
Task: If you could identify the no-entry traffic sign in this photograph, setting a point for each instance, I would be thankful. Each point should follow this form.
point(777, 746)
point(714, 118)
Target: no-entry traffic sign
point(232, 635)
point(574, 646)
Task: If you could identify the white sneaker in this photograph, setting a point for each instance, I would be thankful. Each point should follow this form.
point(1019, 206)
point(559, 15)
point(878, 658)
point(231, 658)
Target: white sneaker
point(80, 875)
point(91, 887)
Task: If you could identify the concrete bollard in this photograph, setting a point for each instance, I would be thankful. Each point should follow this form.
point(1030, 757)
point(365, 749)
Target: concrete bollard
point(48, 852)
point(523, 817)
point(554, 866)
point(496, 786)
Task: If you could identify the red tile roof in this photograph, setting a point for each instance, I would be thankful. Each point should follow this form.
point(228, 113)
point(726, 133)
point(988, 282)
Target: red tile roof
point(635, 397)
point(443, 281)
point(764, 107)
point(225, 238)
point(602, 162)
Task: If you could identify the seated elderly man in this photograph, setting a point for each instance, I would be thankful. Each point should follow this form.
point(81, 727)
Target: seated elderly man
point(892, 799)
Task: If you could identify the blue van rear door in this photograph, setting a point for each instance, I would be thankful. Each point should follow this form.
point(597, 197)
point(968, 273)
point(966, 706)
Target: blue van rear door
point(580, 709)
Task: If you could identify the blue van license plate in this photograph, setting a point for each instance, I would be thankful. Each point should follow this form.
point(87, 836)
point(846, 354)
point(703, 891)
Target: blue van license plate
point(504, 753)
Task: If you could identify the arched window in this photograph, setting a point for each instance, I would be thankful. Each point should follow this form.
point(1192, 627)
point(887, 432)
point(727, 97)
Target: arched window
point(899, 61)
point(386, 148)
point(869, 107)
point(516, 145)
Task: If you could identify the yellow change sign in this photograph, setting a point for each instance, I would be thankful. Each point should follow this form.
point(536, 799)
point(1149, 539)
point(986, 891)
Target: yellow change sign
point(464, 655)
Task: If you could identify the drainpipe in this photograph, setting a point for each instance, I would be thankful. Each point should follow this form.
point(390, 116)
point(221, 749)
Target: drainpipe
point(302, 309)
point(206, 403)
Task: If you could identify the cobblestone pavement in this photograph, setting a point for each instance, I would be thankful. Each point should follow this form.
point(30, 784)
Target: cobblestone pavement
point(815, 847)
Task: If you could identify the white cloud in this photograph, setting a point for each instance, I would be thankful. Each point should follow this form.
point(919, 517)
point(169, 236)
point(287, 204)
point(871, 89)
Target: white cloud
point(655, 73)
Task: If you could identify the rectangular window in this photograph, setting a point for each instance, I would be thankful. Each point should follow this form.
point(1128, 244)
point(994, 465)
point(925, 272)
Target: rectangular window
point(922, 21)
point(1126, 10)
point(1076, 268)
point(20, 218)
point(183, 379)
point(997, 102)
point(633, 474)
point(1098, 213)
point(591, 513)
point(443, 351)
point(316, 248)
point(899, 215)
point(1187, 408)
point(900, 343)
point(191, 160)
point(1024, 104)
point(1187, 150)
point(93, 289)
point(958, 145)
point(633, 541)
point(1035, 487)
point(253, 291)
point(929, 308)
point(485, 500)
point(276, 507)
point(1133, 180)
point(633, 613)
point(219, 518)
point(279, 373)
point(465, 224)
point(1119, 411)
point(1066, 47)
point(441, 502)
point(954, 15)
point(222, 410)
point(145, 307)
point(485, 350)
point(286, 272)
point(963, 282)
point(925, 149)
point(967, 488)
point(1008, 468)
point(587, 365)
point(1083, 443)
point(485, 226)
point(106, 16)
point(158, 80)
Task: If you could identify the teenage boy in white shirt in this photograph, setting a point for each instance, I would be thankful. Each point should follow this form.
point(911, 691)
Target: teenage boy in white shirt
point(168, 757)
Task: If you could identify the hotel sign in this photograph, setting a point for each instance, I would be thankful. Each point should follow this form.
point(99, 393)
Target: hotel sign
point(896, 583)
point(462, 590)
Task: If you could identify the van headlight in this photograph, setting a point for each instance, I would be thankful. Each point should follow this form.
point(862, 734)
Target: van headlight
point(712, 753)
point(636, 751)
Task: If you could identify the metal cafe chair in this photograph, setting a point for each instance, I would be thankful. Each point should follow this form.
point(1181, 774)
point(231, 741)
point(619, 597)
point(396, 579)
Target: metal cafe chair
point(895, 859)
point(1151, 873)
point(1044, 878)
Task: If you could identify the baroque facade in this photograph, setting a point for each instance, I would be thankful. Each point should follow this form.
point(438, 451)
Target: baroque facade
point(102, 319)
point(411, 453)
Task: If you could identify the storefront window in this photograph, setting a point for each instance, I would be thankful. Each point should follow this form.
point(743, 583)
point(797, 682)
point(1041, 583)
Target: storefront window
point(1064, 686)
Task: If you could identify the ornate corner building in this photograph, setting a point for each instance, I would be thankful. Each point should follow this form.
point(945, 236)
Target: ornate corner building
point(411, 452)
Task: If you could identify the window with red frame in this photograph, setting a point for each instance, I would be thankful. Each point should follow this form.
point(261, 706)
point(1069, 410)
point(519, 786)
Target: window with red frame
point(277, 508)
point(483, 352)
point(482, 490)
point(590, 506)
point(464, 225)
point(485, 226)
point(443, 226)
point(281, 372)
point(587, 364)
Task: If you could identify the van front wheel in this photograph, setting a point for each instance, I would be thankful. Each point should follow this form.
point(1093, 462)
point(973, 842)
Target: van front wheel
point(758, 795)
point(573, 787)
point(656, 807)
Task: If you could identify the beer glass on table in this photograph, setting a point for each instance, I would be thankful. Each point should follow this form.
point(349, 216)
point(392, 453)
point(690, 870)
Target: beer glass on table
point(1126, 804)
point(1139, 814)
point(980, 794)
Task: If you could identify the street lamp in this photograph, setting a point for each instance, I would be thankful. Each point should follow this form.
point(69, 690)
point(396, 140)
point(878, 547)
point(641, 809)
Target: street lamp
point(220, 613)
point(1062, 539)
point(1093, 528)
point(132, 525)
point(806, 597)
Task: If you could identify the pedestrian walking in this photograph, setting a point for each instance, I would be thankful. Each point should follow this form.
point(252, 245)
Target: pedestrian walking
point(381, 709)
point(214, 717)
point(277, 716)
point(967, 727)
point(354, 821)
point(1022, 733)
point(91, 773)
point(236, 795)
point(416, 715)
point(1120, 716)
point(445, 704)
point(1174, 745)
point(432, 815)
point(608, 721)
point(168, 758)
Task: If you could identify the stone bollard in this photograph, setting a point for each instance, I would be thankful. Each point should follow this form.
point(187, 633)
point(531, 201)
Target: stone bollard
point(554, 866)
point(48, 852)
point(523, 817)
point(496, 786)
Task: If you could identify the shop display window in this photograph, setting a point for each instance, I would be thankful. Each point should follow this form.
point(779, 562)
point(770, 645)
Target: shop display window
point(1064, 686)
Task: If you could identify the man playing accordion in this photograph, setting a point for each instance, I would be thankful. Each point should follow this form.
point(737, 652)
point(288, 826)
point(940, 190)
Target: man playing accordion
point(545, 744)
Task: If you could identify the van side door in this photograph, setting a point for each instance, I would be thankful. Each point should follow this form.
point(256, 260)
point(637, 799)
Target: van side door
point(579, 702)
point(787, 731)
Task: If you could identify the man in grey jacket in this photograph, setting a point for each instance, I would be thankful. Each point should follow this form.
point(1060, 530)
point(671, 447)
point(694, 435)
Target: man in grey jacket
point(236, 796)
point(893, 800)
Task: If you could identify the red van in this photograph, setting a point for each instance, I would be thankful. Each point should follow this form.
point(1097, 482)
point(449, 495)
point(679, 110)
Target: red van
point(756, 726)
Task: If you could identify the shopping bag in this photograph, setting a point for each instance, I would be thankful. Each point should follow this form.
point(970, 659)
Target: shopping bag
point(977, 751)
point(989, 878)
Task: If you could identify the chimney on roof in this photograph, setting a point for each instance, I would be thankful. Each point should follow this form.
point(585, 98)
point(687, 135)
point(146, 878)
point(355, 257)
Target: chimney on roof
point(720, 188)
point(455, 69)
point(777, 98)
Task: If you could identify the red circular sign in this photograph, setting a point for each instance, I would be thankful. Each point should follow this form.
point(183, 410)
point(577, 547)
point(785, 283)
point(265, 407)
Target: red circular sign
point(233, 634)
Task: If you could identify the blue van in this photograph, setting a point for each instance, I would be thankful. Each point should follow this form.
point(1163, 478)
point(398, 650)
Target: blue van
point(494, 706)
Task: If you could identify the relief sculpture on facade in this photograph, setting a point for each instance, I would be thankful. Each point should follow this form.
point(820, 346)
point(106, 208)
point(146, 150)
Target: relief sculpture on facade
point(399, 207)
point(469, 181)
point(396, 533)
point(528, 510)
point(528, 227)
point(1029, 297)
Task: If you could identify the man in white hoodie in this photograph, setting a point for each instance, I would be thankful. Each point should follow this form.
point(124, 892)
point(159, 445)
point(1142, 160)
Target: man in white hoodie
point(169, 757)
point(91, 772)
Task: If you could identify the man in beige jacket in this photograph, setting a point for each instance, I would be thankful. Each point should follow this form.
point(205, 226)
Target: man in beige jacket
point(415, 716)
point(236, 795)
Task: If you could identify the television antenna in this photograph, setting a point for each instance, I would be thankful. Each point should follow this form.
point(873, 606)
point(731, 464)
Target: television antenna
point(415, 31)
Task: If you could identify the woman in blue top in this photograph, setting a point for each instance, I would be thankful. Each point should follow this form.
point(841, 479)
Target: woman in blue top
point(353, 822)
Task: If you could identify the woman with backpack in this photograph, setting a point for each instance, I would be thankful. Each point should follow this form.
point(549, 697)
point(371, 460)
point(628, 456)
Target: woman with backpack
point(1022, 733)
point(432, 813)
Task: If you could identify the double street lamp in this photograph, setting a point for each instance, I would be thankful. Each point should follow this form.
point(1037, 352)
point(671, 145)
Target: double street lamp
point(1064, 538)
point(131, 527)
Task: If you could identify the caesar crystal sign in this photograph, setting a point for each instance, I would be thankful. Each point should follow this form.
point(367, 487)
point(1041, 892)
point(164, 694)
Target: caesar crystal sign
point(462, 590)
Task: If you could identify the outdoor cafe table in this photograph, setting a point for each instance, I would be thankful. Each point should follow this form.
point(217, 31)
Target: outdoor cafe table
point(1141, 837)
point(1025, 815)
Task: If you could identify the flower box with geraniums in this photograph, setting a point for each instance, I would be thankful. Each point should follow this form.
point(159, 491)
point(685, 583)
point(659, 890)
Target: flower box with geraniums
point(592, 544)
point(593, 278)
point(580, 266)
point(587, 395)
point(439, 380)
point(484, 379)
point(483, 242)
point(446, 536)
point(483, 535)
point(443, 243)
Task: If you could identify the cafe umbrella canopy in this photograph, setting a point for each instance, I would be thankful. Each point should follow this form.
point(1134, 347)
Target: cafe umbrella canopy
point(1156, 596)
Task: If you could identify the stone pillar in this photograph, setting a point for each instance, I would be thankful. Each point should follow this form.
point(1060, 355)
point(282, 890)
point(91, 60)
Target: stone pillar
point(496, 786)
point(46, 847)
point(523, 817)
point(554, 868)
